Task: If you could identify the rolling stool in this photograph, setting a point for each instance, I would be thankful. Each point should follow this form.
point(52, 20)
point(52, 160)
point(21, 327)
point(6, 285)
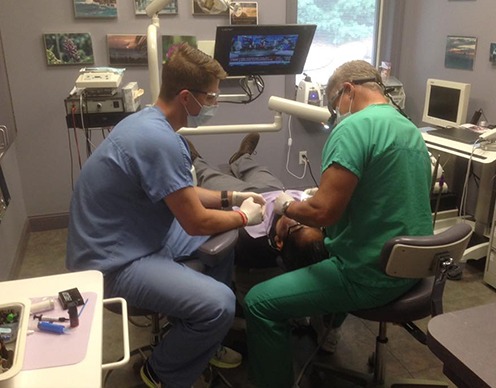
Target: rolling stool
point(427, 258)
point(157, 331)
point(213, 251)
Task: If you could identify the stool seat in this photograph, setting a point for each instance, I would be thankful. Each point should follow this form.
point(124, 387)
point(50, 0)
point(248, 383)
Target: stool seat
point(132, 311)
point(428, 258)
point(411, 306)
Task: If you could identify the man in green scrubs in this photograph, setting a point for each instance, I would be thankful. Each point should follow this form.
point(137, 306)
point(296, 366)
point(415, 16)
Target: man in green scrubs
point(375, 185)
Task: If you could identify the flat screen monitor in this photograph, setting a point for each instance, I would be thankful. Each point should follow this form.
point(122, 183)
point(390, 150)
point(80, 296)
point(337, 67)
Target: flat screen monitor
point(263, 49)
point(446, 103)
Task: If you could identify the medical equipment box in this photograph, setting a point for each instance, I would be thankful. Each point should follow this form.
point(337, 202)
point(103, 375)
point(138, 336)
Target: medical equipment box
point(104, 104)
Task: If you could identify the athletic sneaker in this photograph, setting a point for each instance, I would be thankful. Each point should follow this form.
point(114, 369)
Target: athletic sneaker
point(226, 358)
point(327, 339)
point(149, 377)
point(330, 342)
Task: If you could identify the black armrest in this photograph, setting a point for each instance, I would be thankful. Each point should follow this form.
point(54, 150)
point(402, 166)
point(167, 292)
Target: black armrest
point(215, 249)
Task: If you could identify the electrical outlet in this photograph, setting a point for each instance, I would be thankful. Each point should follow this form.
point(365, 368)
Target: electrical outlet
point(302, 157)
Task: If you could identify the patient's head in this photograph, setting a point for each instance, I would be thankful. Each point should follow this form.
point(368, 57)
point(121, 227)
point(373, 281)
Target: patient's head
point(300, 245)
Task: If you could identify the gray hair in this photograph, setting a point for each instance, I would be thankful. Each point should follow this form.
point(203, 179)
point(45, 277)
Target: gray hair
point(354, 70)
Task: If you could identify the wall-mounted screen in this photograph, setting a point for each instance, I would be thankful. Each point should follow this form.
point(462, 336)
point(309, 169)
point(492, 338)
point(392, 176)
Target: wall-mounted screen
point(263, 49)
point(446, 103)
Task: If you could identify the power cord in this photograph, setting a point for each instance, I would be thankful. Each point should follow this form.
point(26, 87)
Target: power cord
point(307, 161)
point(465, 183)
point(244, 84)
point(290, 143)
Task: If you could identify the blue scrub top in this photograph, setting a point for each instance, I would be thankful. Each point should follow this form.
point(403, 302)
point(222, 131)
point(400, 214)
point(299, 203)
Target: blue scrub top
point(117, 212)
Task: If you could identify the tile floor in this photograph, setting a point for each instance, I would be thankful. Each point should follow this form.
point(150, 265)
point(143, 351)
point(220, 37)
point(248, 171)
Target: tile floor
point(405, 356)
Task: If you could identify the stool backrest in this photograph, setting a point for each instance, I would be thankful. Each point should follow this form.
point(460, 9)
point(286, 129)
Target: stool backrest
point(418, 256)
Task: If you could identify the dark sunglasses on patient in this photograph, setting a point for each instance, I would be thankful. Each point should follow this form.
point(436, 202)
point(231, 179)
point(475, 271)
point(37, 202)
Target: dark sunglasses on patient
point(299, 245)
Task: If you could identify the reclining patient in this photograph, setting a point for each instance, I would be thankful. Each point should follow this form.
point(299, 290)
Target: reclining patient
point(279, 243)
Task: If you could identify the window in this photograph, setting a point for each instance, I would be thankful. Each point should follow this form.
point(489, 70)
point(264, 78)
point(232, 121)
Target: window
point(345, 31)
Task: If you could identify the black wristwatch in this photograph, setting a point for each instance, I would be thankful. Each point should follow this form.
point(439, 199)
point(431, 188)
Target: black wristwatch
point(285, 206)
point(224, 200)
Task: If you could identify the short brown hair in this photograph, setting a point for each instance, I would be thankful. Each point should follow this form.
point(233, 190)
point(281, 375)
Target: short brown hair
point(352, 70)
point(188, 68)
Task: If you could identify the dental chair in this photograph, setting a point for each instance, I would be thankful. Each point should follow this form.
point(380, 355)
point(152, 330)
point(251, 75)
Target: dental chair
point(428, 258)
point(213, 251)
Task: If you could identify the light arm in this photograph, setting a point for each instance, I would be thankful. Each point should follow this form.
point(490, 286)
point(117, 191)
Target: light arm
point(152, 11)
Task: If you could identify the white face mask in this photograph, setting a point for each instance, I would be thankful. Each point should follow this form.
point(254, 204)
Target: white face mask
point(340, 117)
point(205, 114)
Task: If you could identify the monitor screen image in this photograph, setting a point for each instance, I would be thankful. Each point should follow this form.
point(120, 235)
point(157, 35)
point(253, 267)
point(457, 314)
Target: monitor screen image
point(446, 103)
point(263, 49)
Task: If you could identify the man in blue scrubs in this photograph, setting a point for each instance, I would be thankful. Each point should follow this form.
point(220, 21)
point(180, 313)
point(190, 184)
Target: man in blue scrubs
point(375, 185)
point(135, 210)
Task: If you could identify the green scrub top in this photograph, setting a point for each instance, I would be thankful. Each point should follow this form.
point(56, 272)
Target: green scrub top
point(388, 155)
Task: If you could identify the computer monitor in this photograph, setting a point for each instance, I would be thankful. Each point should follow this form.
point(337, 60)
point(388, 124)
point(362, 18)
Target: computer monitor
point(263, 49)
point(446, 103)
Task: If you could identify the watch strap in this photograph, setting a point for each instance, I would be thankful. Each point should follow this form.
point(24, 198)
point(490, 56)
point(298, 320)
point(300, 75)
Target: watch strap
point(224, 200)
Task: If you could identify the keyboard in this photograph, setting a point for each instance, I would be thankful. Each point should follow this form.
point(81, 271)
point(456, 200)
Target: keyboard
point(461, 134)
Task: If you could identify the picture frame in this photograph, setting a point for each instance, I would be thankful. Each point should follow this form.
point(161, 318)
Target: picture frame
point(492, 53)
point(105, 9)
point(140, 6)
point(209, 8)
point(127, 50)
point(460, 52)
point(171, 40)
point(244, 13)
point(68, 49)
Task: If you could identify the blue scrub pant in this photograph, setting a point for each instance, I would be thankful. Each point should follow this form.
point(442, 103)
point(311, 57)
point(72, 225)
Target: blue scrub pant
point(200, 305)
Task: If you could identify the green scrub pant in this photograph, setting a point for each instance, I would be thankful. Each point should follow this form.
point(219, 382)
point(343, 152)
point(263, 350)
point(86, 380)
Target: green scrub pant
point(315, 290)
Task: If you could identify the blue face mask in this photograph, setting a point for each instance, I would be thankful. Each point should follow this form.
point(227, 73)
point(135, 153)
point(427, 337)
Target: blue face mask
point(205, 114)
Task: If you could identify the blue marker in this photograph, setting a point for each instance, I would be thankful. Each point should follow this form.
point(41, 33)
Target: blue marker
point(51, 327)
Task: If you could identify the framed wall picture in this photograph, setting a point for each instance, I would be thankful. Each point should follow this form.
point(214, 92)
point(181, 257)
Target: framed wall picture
point(492, 53)
point(460, 52)
point(168, 41)
point(68, 49)
point(140, 6)
point(95, 8)
point(210, 8)
point(244, 13)
point(127, 50)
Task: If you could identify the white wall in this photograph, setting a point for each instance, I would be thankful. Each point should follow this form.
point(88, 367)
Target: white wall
point(426, 25)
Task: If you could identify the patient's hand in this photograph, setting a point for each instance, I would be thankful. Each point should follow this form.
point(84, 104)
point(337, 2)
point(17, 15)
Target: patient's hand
point(239, 196)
